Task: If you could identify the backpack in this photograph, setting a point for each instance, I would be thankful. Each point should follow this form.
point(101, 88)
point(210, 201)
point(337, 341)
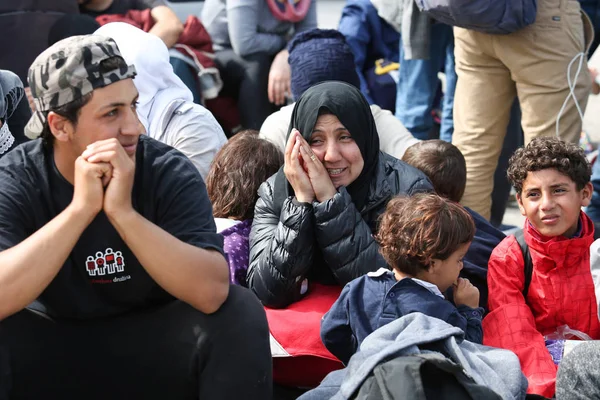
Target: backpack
point(382, 80)
point(489, 16)
point(429, 376)
point(528, 263)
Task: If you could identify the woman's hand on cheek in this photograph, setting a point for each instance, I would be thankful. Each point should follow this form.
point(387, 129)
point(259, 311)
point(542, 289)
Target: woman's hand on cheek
point(319, 177)
point(295, 173)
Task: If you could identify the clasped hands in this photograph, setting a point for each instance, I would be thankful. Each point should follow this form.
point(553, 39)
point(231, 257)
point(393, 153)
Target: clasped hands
point(103, 180)
point(305, 172)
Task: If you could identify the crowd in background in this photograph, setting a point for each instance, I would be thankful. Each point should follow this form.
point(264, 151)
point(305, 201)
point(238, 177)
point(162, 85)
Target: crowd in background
point(334, 197)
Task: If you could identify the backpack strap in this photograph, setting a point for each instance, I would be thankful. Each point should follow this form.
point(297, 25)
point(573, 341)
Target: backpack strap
point(528, 263)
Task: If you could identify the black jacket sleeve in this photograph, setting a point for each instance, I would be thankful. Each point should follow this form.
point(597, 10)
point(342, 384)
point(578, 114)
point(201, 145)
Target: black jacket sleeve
point(281, 248)
point(345, 238)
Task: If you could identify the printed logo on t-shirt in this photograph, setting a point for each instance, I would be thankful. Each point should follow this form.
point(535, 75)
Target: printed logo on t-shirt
point(107, 263)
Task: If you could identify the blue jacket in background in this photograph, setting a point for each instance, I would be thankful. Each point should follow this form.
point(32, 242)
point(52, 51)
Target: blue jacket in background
point(370, 38)
point(475, 263)
point(376, 299)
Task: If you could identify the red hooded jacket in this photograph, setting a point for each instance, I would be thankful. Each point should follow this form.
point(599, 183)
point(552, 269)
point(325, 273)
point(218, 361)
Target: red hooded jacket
point(561, 293)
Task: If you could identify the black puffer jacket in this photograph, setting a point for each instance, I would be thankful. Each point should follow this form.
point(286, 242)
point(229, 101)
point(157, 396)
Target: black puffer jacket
point(329, 242)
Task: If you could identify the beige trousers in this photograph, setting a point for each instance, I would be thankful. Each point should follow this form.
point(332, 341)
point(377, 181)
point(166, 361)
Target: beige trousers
point(532, 64)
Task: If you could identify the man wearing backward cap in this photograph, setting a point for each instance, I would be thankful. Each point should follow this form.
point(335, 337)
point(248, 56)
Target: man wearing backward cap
point(113, 282)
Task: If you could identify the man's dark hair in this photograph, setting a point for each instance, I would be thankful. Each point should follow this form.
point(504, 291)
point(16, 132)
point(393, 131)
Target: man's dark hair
point(415, 230)
point(545, 153)
point(444, 165)
point(236, 173)
point(70, 111)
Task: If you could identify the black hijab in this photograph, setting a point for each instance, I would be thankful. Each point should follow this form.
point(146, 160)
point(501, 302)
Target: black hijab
point(349, 105)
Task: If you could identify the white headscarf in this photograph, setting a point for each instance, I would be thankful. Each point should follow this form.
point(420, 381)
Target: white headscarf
point(155, 81)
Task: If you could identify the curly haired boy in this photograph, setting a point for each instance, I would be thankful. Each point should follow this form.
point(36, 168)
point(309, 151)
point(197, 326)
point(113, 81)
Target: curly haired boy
point(552, 180)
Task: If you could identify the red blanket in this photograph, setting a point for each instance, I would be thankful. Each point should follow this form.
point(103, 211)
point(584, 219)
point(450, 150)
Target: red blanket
point(297, 329)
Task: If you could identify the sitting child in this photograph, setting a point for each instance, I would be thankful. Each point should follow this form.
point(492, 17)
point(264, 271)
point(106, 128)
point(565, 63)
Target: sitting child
point(552, 181)
point(424, 238)
point(445, 166)
point(235, 174)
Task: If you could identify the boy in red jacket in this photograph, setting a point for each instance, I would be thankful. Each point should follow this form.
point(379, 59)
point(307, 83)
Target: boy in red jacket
point(552, 180)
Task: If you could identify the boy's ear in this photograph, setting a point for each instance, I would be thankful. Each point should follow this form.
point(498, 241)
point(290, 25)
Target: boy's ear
point(586, 194)
point(520, 203)
point(60, 127)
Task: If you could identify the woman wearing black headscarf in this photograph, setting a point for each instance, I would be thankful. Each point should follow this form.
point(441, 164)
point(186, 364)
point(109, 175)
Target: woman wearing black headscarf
point(314, 220)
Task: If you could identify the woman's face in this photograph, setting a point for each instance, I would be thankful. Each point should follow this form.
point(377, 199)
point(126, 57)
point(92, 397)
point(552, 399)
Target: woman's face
point(336, 149)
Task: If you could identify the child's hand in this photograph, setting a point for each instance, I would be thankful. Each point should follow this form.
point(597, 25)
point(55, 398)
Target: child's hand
point(466, 294)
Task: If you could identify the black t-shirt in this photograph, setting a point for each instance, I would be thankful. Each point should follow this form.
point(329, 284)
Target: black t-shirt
point(101, 276)
point(122, 6)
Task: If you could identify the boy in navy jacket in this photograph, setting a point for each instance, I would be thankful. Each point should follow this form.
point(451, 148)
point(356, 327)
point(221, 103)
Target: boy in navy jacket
point(445, 166)
point(424, 238)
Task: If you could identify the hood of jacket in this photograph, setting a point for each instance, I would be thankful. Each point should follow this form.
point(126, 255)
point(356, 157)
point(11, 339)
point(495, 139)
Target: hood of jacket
point(548, 253)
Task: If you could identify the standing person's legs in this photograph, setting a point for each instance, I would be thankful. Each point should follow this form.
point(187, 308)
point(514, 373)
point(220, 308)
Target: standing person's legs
point(482, 102)
point(247, 80)
point(593, 210)
point(188, 76)
point(512, 141)
point(447, 127)
point(170, 352)
point(592, 9)
point(417, 87)
point(539, 57)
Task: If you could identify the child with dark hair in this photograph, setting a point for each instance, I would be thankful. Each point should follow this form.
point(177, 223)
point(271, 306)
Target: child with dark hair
point(424, 239)
point(552, 180)
point(239, 168)
point(445, 167)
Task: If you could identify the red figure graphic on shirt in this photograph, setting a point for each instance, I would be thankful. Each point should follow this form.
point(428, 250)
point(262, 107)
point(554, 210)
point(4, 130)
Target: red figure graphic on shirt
point(90, 265)
point(100, 264)
point(120, 262)
point(109, 256)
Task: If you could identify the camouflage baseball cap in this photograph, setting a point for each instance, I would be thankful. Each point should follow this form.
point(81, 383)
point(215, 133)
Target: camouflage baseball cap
point(67, 71)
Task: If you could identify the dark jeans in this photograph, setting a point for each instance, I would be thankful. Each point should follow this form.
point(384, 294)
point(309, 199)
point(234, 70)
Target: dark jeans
point(188, 76)
point(169, 352)
point(512, 141)
point(246, 79)
point(593, 210)
point(592, 9)
point(418, 84)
